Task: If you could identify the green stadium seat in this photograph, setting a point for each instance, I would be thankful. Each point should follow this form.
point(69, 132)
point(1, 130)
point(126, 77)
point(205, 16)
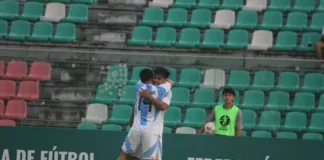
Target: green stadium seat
point(263, 80)
point(239, 79)
point(249, 117)
point(313, 82)
point(278, 100)
point(316, 123)
point(208, 4)
point(189, 38)
point(167, 130)
point(317, 22)
point(3, 28)
point(172, 117)
point(295, 122)
point(312, 136)
point(236, 100)
point(320, 6)
point(200, 18)
point(111, 127)
point(105, 95)
point(204, 98)
point(261, 134)
point(177, 17)
point(279, 5)
point(195, 117)
point(287, 135)
point(173, 74)
point(19, 30)
point(213, 38)
point(78, 13)
point(232, 4)
point(180, 96)
point(32, 11)
point(189, 77)
point(320, 107)
point(127, 96)
point(288, 81)
point(135, 74)
point(296, 21)
point(165, 37)
point(65, 32)
point(87, 126)
point(304, 102)
point(269, 120)
point(43, 31)
point(184, 3)
point(9, 9)
point(141, 36)
point(271, 20)
point(60, 1)
point(85, 1)
point(253, 99)
point(243, 134)
point(246, 19)
point(237, 39)
point(117, 75)
point(286, 41)
point(153, 16)
point(309, 40)
point(120, 114)
point(304, 6)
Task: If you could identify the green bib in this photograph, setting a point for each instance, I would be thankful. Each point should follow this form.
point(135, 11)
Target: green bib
point(225, 120)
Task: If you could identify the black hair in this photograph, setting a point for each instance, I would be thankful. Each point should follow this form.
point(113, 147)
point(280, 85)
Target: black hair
point(146, 75)
point(162, 71)
point(229, 91)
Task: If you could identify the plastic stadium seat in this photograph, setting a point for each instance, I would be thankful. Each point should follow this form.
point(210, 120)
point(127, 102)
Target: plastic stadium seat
point(117, 75)
point(28, 90)
point(320, 6)
point(185, 130)
point(213, 38)
point(246, 19)
point(239, 79)
point(180, 96)
point(214, 78)
point(87, 126)
point(7, 123)
point(253, 99)
point(317, 22)
point(54, 12)
point(287, 135)
point(16, 70)
point(2, 108)
point(120, 114)
point(7, 89)
point(173, 74)
point(243, 134)
point(208, 4)
point(85, 1)
point(204, 98)
point(160, 3)
point(9, 9)
point(296, 21)
point(172, 117)
point(304, 101)
point(65, 32)
point(236, 100)
point(105, 94)
point(320, 107)
point(237, 39)
point(279, 5)
point(111, 127)
point(249, 117)
point(135, 74)
point(286, 41)
point(269, 120)
point(263, 80)
point(261, 40)
point(19, 30)
point(2, 68)
point(152, 16)
point(189, 77)
point(177, 17)
point(40, 71)
point(271, 20)
point(43, 31)
point(295, 122)
point(200, 18)
point(189, 38)
point(167, 130)
point(96, 113)
point(316, 124)
point(278, 100)
point(78, 13)
point(312, 136)
point(257, 5)
point(195, 117)
point(16, 110)
point(261, 134)
point(3, 28)
point(61, 1)
point(165, 37)
point(232, 4)
point(128, 95)
point(304, 6)
point(32, 11)
point(288, 81)
point(313, 82)
point(224, 19)
point(184, 3)
point(141, 36)
point(308, 42)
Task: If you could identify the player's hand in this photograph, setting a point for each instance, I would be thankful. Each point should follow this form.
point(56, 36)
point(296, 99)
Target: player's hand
point(144, 93)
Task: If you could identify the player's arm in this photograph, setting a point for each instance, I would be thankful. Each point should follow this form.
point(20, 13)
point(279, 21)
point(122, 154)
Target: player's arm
point(170, 82)
point(211, 118)
point(132, 117)
point(239, 124)
point(159, 104)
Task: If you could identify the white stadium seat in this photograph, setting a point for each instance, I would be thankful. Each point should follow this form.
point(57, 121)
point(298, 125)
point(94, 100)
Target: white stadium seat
point(257, 5)
point(161, 3)
point(96, 113)
point(54, 12)
point(185, 130)
point(214, 78)
point(224, 19)
point(261, 40)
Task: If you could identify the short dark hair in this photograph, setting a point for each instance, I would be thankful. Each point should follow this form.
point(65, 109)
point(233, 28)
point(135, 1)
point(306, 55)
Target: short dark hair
point(228, 91)
point(146, 75)
point(162, 71)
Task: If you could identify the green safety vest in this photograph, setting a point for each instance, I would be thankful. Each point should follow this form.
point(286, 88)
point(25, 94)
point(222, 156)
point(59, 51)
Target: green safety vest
point(225, 120)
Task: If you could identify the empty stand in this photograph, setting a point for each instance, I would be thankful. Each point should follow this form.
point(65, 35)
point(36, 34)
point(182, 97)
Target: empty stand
point(253, 99)
point(161, 3)
point(77, 13)
point(261, 40)
point(296, 21)
point(87, 126)
point(127, 96)
point(16, 110)
point(232, 4)
point(2, 108)
point(177, 17)
point(65, 33)
point(239, 79)
point(165, 37)
point(271, 20)
point(309, 40)
point(40, 71)
point(16, 70)
point(7, 89)
point(19, 30)
point(135, 74)
point(269, 120)
point(316, 123)
point(7, 122)
point(42, 31)
point(287, 135)
point(141, 36)
point(2, 68)
point(96, 113)
point(209, 4)
point(200, 18)
point(224, 19)
point(320, 107)
point(257, 5)
point(111, 127)
point(184, 3)
point(9, 9)
point(246, 19)
point(249, 119)
point(278, 100)
point(120, 114)
point(213, 38)
point(261, 134)
point(313, 82)
point(288, 81)
point(280, 5)
point(105, 95)
point(185, 130)
point(152, 16)
point(263, 80)
point(201, 99)
point(189, 38)
point(303, 6)
point(214, 78)
point(317, 22)
point(312, 136)
point(295, 122)
point(195, 117)
point(286, 41)
point(3, 28)
point(237, 39)
point(54, 12)
point(180, 96)
point(304, 102)
point(28, 90)
point(32, 11)
point(172, 117)
point(189, 77)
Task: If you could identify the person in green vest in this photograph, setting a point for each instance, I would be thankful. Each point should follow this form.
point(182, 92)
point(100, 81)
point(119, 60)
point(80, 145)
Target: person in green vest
point(227, 117)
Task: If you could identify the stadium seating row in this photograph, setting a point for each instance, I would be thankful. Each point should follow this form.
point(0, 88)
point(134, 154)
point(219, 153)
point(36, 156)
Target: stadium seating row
point(7, 122)
point(89, 2)
point(28, 90)
point(14, 110)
